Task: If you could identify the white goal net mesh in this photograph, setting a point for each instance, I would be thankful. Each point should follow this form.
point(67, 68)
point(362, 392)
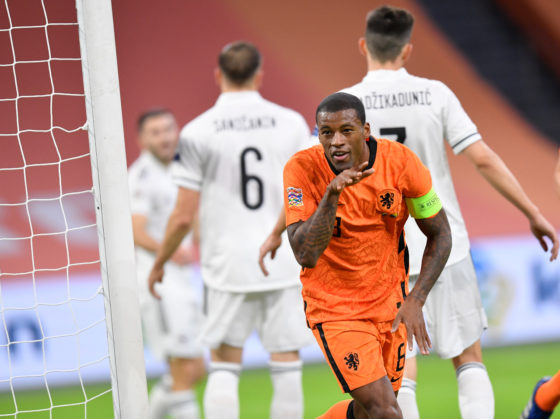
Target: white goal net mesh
point(52, 321)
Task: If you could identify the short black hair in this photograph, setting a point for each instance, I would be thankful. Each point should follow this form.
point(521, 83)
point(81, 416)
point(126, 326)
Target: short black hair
point(239, 61)
point(388, 29)
point(150, 113)
point(341, 101)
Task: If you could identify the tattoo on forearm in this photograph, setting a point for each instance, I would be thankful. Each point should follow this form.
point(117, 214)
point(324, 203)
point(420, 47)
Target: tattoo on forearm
point(309, 239)
point(436, 253)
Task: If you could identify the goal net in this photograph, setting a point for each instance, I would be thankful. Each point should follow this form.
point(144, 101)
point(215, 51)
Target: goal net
point(68, 305)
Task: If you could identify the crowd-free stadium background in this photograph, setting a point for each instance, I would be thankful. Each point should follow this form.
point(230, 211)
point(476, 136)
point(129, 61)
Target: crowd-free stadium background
point(497, 56)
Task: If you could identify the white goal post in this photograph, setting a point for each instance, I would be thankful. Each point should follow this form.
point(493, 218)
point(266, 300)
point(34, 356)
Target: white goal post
point(109, 173)
point(69, 308)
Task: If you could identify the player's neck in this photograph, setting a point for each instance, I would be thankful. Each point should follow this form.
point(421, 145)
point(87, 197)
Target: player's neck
point(387, 65)
point(163, 162)
point(229, 89)
point(251, 86)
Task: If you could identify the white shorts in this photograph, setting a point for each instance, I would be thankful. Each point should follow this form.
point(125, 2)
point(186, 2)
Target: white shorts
point(453, 311)
point(277, 316)
point(171, 325)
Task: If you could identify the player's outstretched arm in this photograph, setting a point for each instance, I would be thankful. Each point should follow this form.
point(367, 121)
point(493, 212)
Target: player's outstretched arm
point(436, 253)
point(495, 171)
point(310, 238)
point(273, 241)
point(178, 225)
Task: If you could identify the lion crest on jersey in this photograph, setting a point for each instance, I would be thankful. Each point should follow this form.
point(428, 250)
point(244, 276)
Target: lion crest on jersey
point(295, 197)
point(388, 202)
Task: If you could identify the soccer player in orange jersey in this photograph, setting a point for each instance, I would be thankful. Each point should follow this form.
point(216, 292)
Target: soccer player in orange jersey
point(346, 204)
point(546, 397)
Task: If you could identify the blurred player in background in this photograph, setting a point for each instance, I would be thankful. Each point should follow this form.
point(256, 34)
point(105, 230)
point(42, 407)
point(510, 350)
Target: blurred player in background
point(231, 160)
point(423, 114)
point(346, 204)
point(171, 325)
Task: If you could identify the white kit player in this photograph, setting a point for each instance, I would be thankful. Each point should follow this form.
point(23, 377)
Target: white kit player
point(171, 326)
point(424, 114)
point(231, 161)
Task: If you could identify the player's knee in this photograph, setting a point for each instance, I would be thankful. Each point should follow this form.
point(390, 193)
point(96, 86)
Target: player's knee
point(198, 371)
point(387, 410)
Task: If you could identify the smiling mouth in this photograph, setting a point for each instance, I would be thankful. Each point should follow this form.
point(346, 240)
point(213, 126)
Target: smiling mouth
point(339, 155)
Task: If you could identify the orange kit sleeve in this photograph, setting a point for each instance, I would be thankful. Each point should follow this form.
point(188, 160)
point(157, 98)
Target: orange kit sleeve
point(299, 202)
point(416, 180)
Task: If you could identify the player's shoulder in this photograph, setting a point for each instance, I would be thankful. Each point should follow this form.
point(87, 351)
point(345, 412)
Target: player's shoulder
point(433, 84)
point(140, 171)
point(200, 124)
point(282, 110)
point(307, 157)
point(141, 166)
point(394, 151)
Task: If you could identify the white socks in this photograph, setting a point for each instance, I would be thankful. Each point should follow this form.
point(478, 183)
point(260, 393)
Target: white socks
point(183, 405)
point(287, 399)
point(407, 399)
point(221, 398)
point(177, 404)
point(476, 398)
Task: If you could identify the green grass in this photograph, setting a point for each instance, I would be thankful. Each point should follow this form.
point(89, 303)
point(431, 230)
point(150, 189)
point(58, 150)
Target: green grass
point(513, 371)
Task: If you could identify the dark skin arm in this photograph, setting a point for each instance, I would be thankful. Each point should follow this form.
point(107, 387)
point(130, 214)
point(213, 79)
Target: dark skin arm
point(436, 253)
point(310, 238)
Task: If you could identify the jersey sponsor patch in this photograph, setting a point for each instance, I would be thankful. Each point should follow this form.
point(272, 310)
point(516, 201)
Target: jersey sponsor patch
point(295, 197)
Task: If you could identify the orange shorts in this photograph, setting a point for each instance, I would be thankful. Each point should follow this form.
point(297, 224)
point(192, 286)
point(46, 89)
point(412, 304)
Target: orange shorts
point(360, 352)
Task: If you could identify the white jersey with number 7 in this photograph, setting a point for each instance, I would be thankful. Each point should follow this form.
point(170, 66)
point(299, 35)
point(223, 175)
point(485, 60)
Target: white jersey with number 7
point(422, 114)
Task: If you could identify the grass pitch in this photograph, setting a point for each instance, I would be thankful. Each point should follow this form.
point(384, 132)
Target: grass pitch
point(513, 371)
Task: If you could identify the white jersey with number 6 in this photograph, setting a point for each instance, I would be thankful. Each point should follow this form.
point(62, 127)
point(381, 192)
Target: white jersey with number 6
point(234, 154)
point(422, 114)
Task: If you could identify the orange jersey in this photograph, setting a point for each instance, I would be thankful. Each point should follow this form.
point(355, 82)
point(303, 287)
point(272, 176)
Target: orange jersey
point(362, 273)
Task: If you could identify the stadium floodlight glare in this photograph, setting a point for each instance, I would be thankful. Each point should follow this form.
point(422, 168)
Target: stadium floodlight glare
point(44, 223)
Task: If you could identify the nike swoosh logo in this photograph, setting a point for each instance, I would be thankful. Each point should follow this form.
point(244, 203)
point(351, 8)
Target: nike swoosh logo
point(394, 380)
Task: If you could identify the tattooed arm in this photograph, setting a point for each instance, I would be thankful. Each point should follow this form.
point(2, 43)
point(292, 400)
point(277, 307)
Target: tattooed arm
point(436, 252)
point(310, 238)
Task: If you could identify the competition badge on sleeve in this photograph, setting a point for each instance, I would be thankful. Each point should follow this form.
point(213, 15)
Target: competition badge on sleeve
point(295, 197)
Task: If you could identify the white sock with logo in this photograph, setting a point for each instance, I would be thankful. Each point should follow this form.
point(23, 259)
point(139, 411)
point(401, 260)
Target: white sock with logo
point(476, 397)
point(407, 399)
point(221, 398)
point(287, 398)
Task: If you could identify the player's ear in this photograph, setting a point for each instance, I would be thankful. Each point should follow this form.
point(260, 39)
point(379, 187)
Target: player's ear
point(218, 77)
point(258, 79)
point(406, 52)
point(362, 46)
point(367, 130)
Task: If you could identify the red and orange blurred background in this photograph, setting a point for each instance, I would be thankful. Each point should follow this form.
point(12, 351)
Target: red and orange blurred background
point(167, 53)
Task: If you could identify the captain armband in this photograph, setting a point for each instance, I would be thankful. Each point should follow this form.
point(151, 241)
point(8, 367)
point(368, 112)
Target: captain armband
point(424, 206)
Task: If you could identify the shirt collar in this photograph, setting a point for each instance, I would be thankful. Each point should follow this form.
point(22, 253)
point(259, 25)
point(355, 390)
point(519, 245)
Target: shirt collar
point(385, 75)
point(154, 160)
point(236, 97)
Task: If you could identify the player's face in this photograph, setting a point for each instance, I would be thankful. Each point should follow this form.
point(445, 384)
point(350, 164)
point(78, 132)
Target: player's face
point(160, 135)
point(342, 136)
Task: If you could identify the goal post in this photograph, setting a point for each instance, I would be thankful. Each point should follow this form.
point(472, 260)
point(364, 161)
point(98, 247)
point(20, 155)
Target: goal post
point(109, 175)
